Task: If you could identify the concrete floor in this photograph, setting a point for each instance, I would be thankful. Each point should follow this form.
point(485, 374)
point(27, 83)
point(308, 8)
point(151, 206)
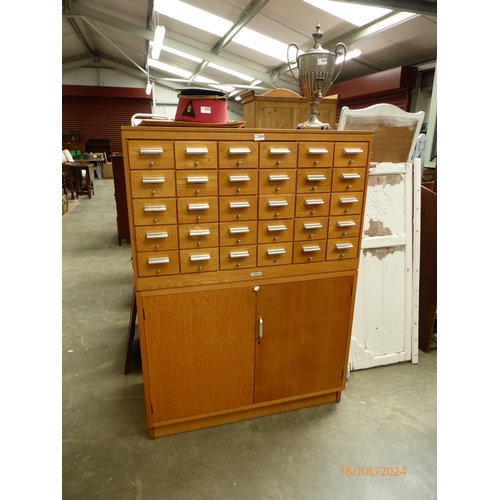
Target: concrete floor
point(386, 419)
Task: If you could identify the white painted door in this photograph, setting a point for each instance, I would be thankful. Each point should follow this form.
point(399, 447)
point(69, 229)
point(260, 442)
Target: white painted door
point(385, 322)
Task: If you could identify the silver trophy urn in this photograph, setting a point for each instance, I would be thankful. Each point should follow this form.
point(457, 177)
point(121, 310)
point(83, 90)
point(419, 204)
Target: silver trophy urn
point(316, 74)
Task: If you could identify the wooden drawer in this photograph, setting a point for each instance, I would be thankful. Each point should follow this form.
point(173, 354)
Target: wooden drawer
point(239, 257)
point(316, 205)
point(238, 233)
point(314, 180)
point(158, 263)
point(151, 154)
point(281, 206)
point(346, 204)
point(155, 211)
point(309, 251)
point(157, 184)
point(156, 238)
point(196, 182)
point(342, 249)
point(351, 154)
point(344, 226)
point(238, 154)
point(233, 208)
point(199, 261)
point(199, 235)
point(238, 182)
point(195, 154)
point(197, 210)
point(315, 154)
point(275, 254)
point(271, 231)
point(276, 181)
point(348, 179)
point(311, 229)
point(278, 154)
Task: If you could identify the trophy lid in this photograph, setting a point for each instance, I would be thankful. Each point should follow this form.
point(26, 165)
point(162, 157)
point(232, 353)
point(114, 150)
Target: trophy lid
point(317, 35)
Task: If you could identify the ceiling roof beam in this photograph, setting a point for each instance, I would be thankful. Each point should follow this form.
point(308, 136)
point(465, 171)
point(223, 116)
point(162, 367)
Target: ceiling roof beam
point(133, 29)
point(424, 7)
point(248, 13)
point(348, 38)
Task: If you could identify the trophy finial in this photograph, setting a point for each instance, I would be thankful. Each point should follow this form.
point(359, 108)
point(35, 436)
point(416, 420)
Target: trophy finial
point(317, 36)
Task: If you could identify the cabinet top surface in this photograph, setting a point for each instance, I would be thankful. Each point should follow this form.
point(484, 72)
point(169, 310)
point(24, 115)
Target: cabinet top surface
point(253, 134)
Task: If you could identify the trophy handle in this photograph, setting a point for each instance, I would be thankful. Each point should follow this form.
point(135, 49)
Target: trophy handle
point(296, 58)
point(335, 51)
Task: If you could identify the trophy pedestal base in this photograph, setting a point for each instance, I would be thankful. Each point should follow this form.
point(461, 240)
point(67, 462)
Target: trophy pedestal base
point(313, 121)
point(315, 125)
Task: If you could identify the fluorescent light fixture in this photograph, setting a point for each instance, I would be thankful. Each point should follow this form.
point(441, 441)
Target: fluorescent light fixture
point(148, 88)
point(158, 41)
point(358, 15)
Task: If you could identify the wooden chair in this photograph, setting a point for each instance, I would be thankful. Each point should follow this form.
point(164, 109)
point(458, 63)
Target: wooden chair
point(395, 131)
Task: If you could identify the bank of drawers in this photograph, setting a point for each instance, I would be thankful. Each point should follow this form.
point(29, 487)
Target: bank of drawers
point(202, 206)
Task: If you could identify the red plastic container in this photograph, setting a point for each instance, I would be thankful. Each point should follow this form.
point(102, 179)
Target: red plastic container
point(202, 106)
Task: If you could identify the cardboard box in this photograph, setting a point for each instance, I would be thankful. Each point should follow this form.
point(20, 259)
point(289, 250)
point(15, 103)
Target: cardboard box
point(107, 170)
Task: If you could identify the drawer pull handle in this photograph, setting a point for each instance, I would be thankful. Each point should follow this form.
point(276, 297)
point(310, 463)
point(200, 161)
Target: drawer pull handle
point(314, 202)
point(153, 236)
point(158, 260)
point(199, 232)
point(276, 251)
point(239, 178)
point(239, 255)
point(158, 208)
point(278, 178)
point(312, 248)
point(317, 151)
point(279, 151)
point(239, 230)
point(198, 206)
point(199, 257)
point(348, 200)
point(153, 180)
point(151, 151)
point(316, 177)
point(344, 246)
point(196, 151)
point(350, 176)
point(197, 180)
point(352, 151)
point(281, 227)
point(313, 225)
point(239, 204)
point(239, 151)
point(261, 328)
point(277, 203)
point(347, 223)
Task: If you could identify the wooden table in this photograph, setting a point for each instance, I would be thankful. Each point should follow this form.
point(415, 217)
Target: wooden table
point(85, 182)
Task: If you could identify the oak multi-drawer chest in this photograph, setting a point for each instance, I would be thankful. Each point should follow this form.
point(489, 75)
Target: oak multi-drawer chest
point(245, 249)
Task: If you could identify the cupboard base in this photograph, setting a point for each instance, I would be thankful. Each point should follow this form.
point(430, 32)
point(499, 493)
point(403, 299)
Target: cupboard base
point(235, 415)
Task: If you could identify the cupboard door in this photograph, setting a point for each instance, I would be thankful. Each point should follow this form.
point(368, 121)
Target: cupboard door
point(200, 351)
point(302, 337)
